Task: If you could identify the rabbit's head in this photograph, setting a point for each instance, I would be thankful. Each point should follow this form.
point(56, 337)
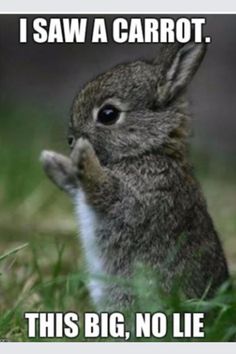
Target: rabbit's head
point(137, 107)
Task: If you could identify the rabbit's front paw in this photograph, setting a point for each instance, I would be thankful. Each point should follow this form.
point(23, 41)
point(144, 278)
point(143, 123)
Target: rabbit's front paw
point(60, 170)
point(85, 160)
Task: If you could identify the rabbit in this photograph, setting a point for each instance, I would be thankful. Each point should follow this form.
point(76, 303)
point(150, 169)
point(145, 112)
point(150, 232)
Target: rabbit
point(129, 175)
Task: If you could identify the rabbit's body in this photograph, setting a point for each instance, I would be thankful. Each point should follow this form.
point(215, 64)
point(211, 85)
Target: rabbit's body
point(150, 228)
point(136, 197)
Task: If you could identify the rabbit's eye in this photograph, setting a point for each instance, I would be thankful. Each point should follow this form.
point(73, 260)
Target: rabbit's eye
point(71, 141)
point(108, 114)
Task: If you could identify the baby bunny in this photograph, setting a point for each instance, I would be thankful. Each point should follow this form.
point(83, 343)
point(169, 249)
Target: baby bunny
point(133, 187)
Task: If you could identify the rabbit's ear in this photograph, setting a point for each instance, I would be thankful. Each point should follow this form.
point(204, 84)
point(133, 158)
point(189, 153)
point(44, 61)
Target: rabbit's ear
point(176, 65)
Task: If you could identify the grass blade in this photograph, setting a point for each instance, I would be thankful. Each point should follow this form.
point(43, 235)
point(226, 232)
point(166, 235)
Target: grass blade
point(13, 251)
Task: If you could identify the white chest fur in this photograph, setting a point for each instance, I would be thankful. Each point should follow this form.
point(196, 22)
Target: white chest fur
point(87, 221)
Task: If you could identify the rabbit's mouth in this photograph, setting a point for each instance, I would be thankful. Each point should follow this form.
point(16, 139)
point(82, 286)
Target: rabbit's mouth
point(85, 136)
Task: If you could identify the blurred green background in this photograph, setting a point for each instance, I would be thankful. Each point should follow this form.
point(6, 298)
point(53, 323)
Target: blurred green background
point(36, 91)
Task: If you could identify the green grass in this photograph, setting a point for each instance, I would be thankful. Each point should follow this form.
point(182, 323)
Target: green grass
point(41, 263)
